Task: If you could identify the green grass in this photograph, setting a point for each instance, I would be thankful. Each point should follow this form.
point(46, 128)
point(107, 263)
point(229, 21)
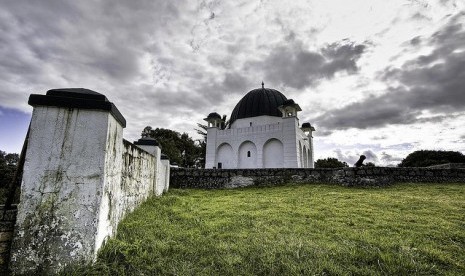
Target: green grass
point(406, 229)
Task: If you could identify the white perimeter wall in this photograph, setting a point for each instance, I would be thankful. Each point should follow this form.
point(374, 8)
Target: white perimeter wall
point(79, 181)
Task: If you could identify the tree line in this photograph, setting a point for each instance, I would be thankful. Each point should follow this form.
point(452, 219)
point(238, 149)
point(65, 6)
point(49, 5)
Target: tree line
point(419, 158)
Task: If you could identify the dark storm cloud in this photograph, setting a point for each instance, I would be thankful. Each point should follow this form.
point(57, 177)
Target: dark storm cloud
point(61, 43)
point(298, 67)
point(433, 82)
point(341, 57)
point(236, 83)
point(374, 111)
point(177, 101)
point(206, 92)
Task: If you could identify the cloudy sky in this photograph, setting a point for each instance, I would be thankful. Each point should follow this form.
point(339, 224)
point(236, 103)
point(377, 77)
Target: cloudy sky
point(380, 78)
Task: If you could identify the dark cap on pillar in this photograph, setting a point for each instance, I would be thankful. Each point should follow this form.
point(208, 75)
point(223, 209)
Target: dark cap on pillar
point(147, 141)
point(307, 127)
point(77, 98)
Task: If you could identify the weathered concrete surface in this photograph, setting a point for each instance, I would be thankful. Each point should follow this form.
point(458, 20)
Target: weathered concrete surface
point(163, 177)
point(156, 152)
point(64, 175)
point(366, 176)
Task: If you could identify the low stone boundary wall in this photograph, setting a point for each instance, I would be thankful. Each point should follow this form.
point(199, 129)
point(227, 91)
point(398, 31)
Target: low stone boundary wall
point(449, 166)
point(7, 224)
point(368, 176)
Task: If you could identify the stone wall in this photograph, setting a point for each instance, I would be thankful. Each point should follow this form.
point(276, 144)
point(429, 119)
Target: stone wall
point(377, 176)
point(449, 166)
point(7, 222)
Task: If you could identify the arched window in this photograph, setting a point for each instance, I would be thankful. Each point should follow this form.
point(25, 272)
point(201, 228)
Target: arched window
point(248, 153)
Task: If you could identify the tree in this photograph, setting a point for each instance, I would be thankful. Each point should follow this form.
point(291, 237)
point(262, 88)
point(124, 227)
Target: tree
point(330, 163)
point(370, 164)
point(425, 158)
point(180, 148)
point(202, 130)
point(8, 163)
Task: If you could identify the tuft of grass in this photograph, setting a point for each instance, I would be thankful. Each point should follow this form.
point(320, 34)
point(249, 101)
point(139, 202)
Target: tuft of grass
point(405, 229)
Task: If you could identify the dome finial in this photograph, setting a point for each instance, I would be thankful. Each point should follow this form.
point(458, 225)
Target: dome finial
point(263, 85)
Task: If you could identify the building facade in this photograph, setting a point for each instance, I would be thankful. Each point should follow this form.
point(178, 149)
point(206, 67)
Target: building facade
point(263, 132)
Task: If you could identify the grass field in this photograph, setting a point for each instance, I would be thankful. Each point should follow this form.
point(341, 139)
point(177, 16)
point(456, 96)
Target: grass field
point(406, 229)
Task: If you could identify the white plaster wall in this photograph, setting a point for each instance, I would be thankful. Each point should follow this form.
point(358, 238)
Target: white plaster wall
point(156, 152)
point(305, 155)
point(109, 214)
point(311, 159)
point(290, 142)
point(258, 133)
point(307, 148)
point(256, 121)
point(273, 154)
point(211, 148)
point(246, 161)
point(126, 185)
point(163, 176)
point(166, 176)
point(263, 129)
point(63, 173)
point(225, 156)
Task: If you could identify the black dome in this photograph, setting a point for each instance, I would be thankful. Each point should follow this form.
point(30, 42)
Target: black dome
point(258, 102)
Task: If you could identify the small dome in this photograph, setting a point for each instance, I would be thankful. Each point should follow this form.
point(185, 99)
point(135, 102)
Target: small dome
point(258, 102)
point(213, 115)
point(306, 125)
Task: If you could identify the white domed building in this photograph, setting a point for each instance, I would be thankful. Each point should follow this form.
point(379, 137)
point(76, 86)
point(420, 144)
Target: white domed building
point(263, 132)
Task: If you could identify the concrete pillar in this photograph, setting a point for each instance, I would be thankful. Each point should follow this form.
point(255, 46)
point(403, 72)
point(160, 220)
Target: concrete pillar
point(151, 146)
point(290, 142)
point(210, 156)
point(74, 152)
point(311, 161)
point(164, 175)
